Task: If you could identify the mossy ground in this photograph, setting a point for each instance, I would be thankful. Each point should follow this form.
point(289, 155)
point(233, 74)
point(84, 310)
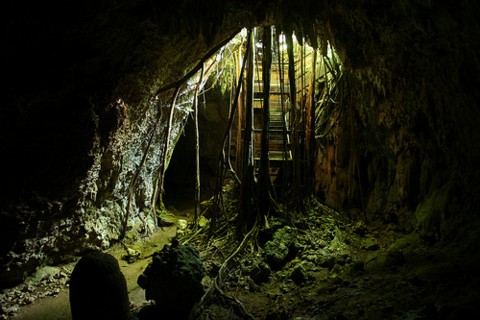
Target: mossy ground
point(338, 269)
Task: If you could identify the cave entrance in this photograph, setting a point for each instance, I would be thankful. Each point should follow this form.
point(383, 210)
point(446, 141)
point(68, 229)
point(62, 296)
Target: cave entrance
point(264, 110)
point(181, 173)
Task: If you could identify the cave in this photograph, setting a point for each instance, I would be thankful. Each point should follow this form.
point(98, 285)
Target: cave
point(358, 202)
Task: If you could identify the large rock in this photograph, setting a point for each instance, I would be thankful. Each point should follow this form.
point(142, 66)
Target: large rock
point(98, 289)
point(173, 281)
point(281, 248)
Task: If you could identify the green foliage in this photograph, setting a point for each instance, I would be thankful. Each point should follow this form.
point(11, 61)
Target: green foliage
point(224, 70)
point(332, 86)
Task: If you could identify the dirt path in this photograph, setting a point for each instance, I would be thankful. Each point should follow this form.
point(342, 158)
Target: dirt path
point(57, 307)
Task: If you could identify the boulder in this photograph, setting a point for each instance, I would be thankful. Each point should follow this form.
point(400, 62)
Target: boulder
point(173, 280)
point(98, 289)
point(282, 247)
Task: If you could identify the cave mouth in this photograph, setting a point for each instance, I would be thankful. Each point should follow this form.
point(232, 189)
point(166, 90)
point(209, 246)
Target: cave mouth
point(294, 123)
point(180, 175)
point(397, 156)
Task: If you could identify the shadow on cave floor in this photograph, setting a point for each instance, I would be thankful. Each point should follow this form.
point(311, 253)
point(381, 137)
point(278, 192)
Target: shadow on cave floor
point(47, 291)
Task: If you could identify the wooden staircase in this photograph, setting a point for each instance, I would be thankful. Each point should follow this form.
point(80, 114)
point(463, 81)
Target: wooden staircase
point(280, 147)
point(288, 161)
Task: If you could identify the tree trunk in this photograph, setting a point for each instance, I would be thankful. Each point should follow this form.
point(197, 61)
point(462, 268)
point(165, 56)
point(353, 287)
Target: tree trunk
point(239, 99)
point(246, 217)
point(296, 174)
point(285, 127)
point(161, 173)
point(264, 170)
point(310, 126)
point(221, 166)
point(197, 149)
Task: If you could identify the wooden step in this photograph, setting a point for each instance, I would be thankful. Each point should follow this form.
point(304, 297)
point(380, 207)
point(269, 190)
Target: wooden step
point(275, 145)
point(273, 95)
point(275, 106)
point(275, 156)
point(274, 88)
point(258, 131)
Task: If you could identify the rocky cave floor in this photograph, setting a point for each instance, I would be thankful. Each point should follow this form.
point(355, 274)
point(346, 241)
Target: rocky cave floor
point(320, 265)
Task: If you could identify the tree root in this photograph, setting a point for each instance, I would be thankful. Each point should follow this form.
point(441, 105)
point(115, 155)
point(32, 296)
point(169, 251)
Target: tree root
point(218, 281)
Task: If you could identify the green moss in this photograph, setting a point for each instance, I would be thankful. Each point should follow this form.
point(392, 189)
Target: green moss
point(430, 214)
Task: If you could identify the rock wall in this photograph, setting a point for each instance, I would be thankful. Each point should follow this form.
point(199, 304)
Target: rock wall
point(405, 145)
point(79, 109)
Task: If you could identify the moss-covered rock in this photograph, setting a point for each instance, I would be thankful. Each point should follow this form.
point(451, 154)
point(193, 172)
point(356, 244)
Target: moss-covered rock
point(173, 280)
point(281, 248)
